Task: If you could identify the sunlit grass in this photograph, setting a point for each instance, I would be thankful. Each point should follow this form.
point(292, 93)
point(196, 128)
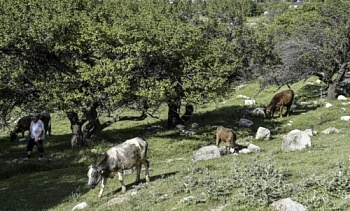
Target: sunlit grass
point(176, 182)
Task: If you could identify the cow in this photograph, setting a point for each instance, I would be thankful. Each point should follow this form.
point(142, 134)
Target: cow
point(226, 135)
point(129, 154)
point(279, 101)
point(23, 125)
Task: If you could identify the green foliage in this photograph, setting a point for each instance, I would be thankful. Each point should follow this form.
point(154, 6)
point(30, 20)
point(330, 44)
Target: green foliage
point(261, 183)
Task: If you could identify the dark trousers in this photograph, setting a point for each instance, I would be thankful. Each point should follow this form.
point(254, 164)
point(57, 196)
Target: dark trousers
point(38, 145)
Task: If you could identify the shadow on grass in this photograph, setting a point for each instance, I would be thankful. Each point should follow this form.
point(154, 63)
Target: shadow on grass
point(152, 178)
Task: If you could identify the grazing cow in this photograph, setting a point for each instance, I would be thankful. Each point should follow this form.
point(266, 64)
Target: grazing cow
point(279, 101)
point(129, 154)
point(23, 125)
point(227, 135)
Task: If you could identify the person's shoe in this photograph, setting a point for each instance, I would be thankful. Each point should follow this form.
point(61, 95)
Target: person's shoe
point(41, 159)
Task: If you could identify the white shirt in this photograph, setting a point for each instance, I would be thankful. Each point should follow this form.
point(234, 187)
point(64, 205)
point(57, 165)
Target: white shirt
point(36, 128)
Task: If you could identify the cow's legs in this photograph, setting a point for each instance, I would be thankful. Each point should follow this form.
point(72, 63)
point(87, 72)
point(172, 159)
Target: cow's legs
point(138, 171)
point(281, 110)
point(146, 163)
point(121, 180)
point(103, 184)
point(218, 140)
point(288, 110)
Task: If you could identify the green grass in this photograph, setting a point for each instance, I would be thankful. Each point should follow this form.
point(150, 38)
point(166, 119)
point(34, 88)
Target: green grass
point(232, 182)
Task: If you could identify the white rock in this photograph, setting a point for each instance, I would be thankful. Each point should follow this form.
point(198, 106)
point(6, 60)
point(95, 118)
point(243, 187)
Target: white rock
point(194, 125)
point(80, 206)
point(253, 148)
point(328, 105)
point(180, 127)
point(330, 130)
point(345, 118)
point(249, 102)
point(263, 133)
point(287, 205)
point(245, 151)
point(341, 97)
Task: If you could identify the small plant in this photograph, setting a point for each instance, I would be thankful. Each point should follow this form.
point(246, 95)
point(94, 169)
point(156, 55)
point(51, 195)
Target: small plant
point(261, 183)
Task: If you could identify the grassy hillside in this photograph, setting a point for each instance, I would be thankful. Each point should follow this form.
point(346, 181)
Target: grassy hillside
point(317, 177)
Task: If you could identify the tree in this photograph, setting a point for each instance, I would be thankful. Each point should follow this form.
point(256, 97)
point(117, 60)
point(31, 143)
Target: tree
point(89, 58)
point(313, 40)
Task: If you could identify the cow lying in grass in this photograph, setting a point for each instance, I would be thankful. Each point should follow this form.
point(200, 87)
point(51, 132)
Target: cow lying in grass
point(279, 101)
point(23, 125)
point(226, 135)
point(129, 154)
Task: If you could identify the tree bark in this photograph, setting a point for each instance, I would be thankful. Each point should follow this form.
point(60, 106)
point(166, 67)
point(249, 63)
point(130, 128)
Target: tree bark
point(77, 140)
point(331, 90)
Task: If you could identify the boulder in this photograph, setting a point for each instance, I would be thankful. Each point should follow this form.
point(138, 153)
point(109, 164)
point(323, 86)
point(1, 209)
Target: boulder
point(206, 153)
point(263, 133)
point(330, 130)
point(345, 118)
point(287, 205)
point(342, 97)
point(297, 140)
point(80, 206)
point(249, 102)
point(245, 122)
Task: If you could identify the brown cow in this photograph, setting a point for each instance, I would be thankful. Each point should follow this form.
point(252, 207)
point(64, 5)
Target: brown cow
point(226, 135)
point(280, 100)
point(23, 125)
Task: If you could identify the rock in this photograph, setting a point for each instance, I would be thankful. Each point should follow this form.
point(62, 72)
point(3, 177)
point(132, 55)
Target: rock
point(80, 206)
point(297, 140)
point(263, 133)
point(206, 153)
point(194, 125)
point(249, 102)
point(330, 130)
point(328, 105)
point(342, 97)
point(345, 118)
point(180, 127)
point(244, 151)
point(245, 122)
point(253, 148)
point(287, 205)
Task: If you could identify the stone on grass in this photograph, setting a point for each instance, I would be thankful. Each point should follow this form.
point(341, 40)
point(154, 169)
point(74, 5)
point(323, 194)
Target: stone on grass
point(342, 97)
point(330, 130)
point(207, 153)
point(80, 206)
point(287, 205)
point(263, 133)
point(297, 140)
point(245, 122)
point(345, 118)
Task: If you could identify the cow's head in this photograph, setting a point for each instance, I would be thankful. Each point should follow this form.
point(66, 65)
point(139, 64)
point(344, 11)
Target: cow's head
point(13, 136)
point(268, 112)
point(94, 174)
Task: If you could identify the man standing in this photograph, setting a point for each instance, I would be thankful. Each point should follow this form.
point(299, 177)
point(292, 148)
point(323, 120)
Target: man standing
point(37, 135)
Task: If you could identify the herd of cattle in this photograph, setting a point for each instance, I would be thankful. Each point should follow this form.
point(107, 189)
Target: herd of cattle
point(133, 152)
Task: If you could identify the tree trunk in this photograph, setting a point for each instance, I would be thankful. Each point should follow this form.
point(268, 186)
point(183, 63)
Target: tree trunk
point(331, 90)
point(77, 140)
point(174, 113)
